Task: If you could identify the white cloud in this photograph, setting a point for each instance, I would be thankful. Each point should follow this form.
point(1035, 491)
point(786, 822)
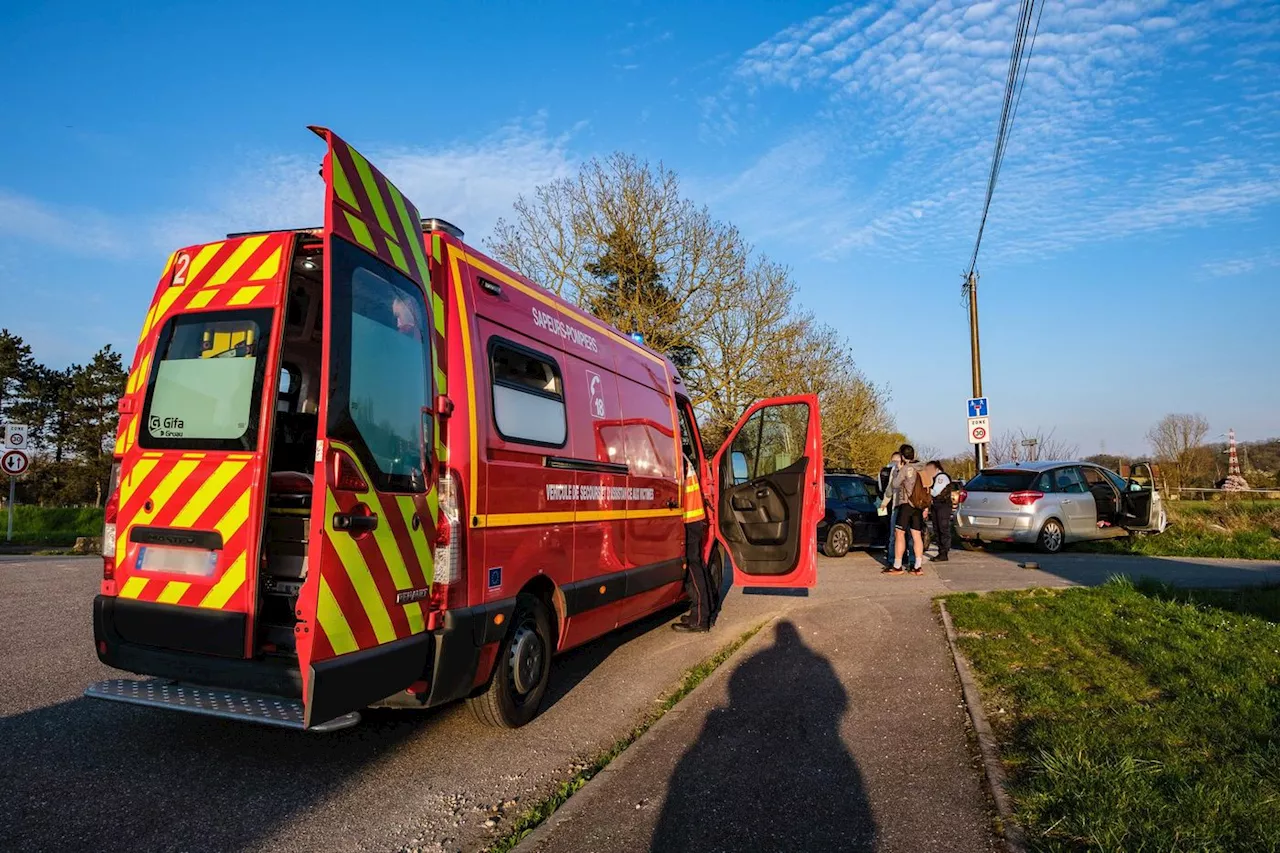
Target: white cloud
point(30, 219)
point(905, 97)
point(1228, 267)
point(468, 183)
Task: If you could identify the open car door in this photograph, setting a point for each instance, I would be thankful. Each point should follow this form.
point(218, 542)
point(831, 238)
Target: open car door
point(769, 495)
point(363, 609)
point(1143, 504)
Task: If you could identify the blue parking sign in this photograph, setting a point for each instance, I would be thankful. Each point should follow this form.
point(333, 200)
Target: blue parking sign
point(978, 407)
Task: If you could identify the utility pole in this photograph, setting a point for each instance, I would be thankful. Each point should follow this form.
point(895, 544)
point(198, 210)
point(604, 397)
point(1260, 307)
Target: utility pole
point(975, 354)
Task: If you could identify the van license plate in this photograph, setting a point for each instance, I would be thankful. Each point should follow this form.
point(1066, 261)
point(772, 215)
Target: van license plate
point(983, 521)
point(177, 561)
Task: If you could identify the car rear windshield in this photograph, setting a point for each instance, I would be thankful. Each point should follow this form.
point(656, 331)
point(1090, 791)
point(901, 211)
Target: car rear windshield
point(205, 387)
point(1001, 481)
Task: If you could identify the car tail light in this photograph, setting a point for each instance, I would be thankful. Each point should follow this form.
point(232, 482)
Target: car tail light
point(109, 515)
point(964, 496)
point(448, 584)
point(1025, 498)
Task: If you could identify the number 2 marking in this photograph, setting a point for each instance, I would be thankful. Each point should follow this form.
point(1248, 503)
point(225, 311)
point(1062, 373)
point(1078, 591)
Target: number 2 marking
point(180, 269)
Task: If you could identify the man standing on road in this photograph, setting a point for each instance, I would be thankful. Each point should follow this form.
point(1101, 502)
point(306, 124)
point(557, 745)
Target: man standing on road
point(908, 516)
point(697, 579)
point(939, 511)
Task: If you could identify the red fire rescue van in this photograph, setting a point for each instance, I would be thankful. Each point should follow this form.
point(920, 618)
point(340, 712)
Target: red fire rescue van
point(364, 464)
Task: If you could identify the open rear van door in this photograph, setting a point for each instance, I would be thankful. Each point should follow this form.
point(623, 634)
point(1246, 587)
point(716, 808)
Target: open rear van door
point(769, 495)
point(363, 609)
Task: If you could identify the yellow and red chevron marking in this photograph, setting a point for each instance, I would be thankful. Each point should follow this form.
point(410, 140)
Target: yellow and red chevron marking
point(235, 272)
point(439, 350)
point(360, 576)
point(187, 491)
point(365, 208)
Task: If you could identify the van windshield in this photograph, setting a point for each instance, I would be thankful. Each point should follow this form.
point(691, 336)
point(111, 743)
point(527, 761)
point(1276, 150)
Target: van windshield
point(205, 386)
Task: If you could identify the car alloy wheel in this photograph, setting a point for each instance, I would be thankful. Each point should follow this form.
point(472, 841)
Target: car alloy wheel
point(1051, 536)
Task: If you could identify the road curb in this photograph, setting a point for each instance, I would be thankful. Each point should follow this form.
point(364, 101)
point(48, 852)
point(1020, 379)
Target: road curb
point(583, 797)
point(993, 768)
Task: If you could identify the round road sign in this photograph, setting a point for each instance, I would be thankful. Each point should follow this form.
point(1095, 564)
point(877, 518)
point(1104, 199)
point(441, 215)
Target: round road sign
point(979, 433)
point(14, 462)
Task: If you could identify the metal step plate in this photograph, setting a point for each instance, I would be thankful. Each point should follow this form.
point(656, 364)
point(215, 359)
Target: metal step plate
point(213, 702)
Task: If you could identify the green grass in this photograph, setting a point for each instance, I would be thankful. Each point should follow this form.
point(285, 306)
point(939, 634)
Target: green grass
point(1246, 530)
point(51, 525)
point(1133, 718)
point(543, 809)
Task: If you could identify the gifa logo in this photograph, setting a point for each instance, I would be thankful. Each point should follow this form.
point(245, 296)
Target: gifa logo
point(165, 427)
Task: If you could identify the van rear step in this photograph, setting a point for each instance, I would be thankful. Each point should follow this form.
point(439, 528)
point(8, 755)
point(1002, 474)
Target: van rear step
point(213, 702)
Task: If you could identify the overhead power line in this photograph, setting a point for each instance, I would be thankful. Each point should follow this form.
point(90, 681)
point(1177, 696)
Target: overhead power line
point(1024, 40)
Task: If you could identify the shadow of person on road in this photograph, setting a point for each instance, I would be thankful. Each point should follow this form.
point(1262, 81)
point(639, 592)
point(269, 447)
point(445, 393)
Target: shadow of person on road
point(770, 771)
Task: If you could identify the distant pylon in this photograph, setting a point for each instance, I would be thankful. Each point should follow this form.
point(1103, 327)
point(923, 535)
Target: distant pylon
point(1233, 461)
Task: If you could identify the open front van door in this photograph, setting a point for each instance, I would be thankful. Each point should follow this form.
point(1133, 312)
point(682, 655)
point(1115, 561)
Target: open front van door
point(769, 493)
point(363, 610)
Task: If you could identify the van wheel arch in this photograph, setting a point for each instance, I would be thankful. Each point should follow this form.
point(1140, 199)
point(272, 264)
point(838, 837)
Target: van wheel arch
point(544, 588)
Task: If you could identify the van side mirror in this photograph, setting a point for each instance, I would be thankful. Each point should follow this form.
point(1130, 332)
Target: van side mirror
point(739, 462)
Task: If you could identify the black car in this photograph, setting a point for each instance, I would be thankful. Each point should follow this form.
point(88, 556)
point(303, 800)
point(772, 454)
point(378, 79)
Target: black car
point(851, 519)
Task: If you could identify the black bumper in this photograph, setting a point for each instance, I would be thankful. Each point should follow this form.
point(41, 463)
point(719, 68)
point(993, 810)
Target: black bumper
point(185, 644)
point(456, 651)
point(206, 647)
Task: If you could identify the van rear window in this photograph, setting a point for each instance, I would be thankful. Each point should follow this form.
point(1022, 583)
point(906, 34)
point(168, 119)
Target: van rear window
point(205, 387)
point(1001, 481)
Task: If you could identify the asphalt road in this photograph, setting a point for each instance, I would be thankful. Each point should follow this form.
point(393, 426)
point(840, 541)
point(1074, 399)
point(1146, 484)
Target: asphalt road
point(76, 772)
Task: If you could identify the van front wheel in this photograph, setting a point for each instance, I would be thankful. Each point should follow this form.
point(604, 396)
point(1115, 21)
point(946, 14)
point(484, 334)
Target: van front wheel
point(522, 670)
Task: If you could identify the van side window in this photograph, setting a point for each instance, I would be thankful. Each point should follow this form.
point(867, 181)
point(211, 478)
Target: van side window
point(528, 396)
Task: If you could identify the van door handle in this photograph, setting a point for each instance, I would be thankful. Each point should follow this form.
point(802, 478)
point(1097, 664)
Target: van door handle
point(355, 524)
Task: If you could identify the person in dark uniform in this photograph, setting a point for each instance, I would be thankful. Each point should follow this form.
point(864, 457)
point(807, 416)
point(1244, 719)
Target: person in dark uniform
point(940, 511)
point(697, 580)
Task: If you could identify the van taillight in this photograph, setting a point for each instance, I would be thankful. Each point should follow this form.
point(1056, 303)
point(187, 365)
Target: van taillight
point(1025, 498)
point(448, 587)
point(964, 496)
point(109, 514)
point(346, 474)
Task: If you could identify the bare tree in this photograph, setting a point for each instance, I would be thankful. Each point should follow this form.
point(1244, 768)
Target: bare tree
point(621, 241)
point(1178, 444)
point(1008, 447)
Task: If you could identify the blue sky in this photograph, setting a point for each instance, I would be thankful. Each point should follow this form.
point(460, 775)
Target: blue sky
point(1130, 265)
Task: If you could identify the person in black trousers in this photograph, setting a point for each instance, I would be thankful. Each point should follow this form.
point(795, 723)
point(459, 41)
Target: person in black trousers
point(697, 581)
point(940, 511)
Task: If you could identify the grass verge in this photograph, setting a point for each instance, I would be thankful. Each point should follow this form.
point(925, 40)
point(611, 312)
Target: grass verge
point(51, 525)
point(1133, 717)
point(1244, 530)
point(544, 808)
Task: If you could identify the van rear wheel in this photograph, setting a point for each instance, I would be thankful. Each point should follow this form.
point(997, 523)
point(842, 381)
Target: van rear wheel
point(523, 668)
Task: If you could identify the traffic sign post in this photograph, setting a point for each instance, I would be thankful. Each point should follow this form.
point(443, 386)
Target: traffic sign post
point(979, 431)
point(16, 436)
point(13, 462)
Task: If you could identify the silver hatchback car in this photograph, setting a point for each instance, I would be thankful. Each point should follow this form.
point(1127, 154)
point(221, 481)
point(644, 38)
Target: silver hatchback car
point(1050, 504)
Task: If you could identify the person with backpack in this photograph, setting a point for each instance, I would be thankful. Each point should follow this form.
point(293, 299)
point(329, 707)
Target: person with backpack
point(910, 495)
point(939, 512)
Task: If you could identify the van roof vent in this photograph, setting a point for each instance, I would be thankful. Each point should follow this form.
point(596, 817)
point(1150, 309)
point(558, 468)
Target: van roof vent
point(434, 224)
